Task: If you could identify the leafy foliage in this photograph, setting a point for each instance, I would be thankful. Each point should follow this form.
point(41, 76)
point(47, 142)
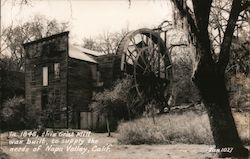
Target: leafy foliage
point(113, 101)
point(183, 66)
point(123, 102)
point(239, 86)
point(240, 59)
point(14, 115)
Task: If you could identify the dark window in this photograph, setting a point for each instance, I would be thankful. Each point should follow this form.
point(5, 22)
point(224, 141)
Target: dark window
point(33, 75)
point(98, 76)
point(57, 99)
point(57, 116)
point(57, 70)
point(44, 99)
point(36, 51)
point(33, 98)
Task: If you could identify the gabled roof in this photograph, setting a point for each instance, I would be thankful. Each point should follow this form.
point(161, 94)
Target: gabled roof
point(47, 38)
point(90, 52)
point(76, 53)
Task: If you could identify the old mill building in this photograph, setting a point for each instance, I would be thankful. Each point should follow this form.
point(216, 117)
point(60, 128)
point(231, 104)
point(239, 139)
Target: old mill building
point(61, 78)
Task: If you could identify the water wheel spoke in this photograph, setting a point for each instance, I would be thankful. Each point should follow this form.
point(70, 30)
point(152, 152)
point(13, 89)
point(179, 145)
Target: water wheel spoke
point(132, 54)
point(153, 54)
point(142, 58)
point(168, 67)
point(149, 63)
point(133, 41)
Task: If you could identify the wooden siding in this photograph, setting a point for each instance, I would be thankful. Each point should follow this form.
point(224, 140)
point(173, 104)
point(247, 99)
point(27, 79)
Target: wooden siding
point(109, 67)
point(92, 121)
point(81, 76)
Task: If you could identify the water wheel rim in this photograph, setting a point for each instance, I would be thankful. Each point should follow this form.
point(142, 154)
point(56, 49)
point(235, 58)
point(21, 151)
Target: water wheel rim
point(161, 52)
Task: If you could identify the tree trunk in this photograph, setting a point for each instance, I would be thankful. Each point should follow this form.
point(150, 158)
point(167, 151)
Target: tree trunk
point(209, 76)
point(108, 128)
point(211, 85)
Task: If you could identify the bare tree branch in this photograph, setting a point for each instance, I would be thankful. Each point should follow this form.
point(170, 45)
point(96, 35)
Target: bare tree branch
point(245, 5)
point(228, 35)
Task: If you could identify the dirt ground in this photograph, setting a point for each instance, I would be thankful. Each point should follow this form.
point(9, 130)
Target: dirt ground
point(116, 151)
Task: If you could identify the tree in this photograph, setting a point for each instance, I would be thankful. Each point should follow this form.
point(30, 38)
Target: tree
point(220, 11)
point(209, 75)
point(38, 27)
point(106, 42)
point(13, 114)
point(91, 44)
point(112, 103)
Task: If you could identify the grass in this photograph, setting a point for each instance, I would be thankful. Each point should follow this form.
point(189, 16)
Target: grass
point(243, 125)
point(188, 128)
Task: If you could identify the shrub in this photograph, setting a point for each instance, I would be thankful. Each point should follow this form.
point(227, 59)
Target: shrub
point(239, 87)
point(112, 103)
point(189, 128)
point(183, 66)
point(112, 100)
point(242, 122)
point(13, 113)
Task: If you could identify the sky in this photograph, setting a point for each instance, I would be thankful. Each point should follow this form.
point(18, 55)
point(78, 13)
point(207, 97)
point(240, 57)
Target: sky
point(90, 18)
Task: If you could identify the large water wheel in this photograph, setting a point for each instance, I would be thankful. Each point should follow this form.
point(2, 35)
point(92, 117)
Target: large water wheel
point(146, 58)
